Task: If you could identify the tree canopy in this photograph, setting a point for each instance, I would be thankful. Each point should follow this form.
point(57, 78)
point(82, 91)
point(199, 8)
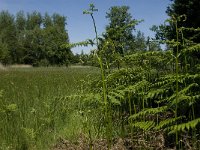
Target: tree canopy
point(187, 8)
point(33, 39)
point(120, 28)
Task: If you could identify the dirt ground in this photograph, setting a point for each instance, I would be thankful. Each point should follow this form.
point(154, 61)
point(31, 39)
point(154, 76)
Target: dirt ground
point(117, 144)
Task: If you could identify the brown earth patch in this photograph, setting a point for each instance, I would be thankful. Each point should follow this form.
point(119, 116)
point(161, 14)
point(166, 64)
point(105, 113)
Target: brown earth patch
point(135, 143)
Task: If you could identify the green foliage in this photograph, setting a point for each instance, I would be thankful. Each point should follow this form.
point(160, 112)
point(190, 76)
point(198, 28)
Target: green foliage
point(191, 22)
point(149, 111)
point(35, 109)
point(167, 122)
point(33, 39)
point(181, 127)
point(7, 37)
point(190, 9)
point(152, 90)
point(144, 125)
point(139, 43)
point(119, 31)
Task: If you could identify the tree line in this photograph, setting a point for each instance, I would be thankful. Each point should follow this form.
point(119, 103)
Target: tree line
point(36, 39)
point(33, 39)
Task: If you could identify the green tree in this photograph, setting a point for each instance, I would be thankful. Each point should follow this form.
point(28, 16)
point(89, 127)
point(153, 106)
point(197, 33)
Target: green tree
point(59, 21)
point(4, 53)
point(188, 8)
point(33, 39)
point(56, 36)
point(120, 28)
point(20, 23)
point(183, 17)
point(47, 21)
point(8, 36)
point(33, 46)
point(44, 40)
point(34, 19)
point(139, 43)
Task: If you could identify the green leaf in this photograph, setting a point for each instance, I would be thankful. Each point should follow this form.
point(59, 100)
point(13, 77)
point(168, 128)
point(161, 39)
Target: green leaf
point(144, 125)
point(113, 100)
point(149, 111)
point(183, 126)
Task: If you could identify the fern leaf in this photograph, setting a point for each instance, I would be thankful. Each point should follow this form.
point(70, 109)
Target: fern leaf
point(195, 48)
point(182, 95)
point(156, 92)
point(149, 111)
point(168, 122)
point(184, 126)
point(113, 100)
point(117, 94)
point(144, 125)
point(139, 85)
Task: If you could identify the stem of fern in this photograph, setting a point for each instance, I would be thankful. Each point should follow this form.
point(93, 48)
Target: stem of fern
point(177, 71)
point(183, 43)
point(95, 29)
point(194, 139)
point(107, 114)
point(130, 111)
point(186, 70)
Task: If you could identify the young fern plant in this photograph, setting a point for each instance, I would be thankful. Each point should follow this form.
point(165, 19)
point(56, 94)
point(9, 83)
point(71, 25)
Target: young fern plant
point(186, 89)
point(174, 20)
point(175, 91)
point(107, 107)
point(180, 94)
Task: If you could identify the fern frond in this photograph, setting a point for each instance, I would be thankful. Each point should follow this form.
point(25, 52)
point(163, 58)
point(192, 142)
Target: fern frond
point(191, 29)
point(114, 100)
point(149, 111)
point(195, 97)
point(117, 94)
point(184, 126)
point(137, 86)
point(168, 122)
point(182, 94)
point(181, 98)
point(156, 92)
point(195, 48)
point(144, 125)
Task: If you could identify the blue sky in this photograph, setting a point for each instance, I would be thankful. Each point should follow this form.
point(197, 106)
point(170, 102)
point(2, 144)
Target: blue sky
point(80, 26)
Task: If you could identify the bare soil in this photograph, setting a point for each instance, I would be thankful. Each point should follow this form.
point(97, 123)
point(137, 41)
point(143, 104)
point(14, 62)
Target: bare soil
point(117, 144)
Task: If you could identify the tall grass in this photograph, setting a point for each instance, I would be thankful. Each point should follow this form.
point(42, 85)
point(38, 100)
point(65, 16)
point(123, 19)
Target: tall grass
point(33, 109)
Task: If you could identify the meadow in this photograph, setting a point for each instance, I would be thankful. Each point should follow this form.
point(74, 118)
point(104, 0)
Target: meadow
point(34, 110)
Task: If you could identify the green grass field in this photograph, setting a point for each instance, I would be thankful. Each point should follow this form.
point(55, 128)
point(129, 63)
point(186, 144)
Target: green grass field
point(34, 112)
